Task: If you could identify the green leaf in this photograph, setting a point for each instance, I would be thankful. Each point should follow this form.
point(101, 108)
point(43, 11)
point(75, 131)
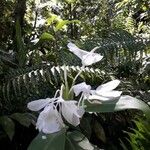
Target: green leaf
point(55, 141)
point(23, 119)
point(51, 19)
point(78, 141)
point(85, 125)
point(70, 1)
point(60, 24)
point(69, 145)
point(125, 102)
point(75, 21)
point(123, 145)
point(46, 37)
point(99, 131)
point(8, 126)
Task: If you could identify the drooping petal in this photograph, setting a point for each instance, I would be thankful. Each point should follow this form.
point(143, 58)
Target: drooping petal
point(49, 120)
point(71, 112)
point(107, 86)
point(88, 58)
point(98, 97)
point(81, 87)
point(77, 51)
point(91, 58)
point(80, 111)
point(39, 104)
point(111, 94)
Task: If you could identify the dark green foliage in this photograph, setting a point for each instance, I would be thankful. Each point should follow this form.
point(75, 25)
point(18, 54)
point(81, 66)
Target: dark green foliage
point(43, 83)
point(118, 27)
point(118, 47)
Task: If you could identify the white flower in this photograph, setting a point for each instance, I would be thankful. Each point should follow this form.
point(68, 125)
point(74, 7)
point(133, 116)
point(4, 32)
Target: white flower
point(81, 87)
point(49, 120)
point(106, 92)
point(88, 58)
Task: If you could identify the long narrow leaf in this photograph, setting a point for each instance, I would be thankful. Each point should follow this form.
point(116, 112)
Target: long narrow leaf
point(125, 102)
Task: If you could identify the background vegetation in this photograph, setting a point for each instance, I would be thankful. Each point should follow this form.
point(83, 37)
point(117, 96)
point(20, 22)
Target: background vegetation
point(33, 39)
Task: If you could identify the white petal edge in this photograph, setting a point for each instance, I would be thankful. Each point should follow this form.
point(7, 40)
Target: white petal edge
point(39, 104)
point(108, 86)
point(77, 51)
point(98, 97)
point(111, 94)
point(91, 58)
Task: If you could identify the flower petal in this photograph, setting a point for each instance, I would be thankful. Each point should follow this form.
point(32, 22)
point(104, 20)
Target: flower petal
point(107, 86)
point(77, 51)
point(39, 104)
point(80, 111)
point(49, 120)
point(102, 99)
point(71, 112)
point(81, 87)
point(98, 97)
point(91, 58)
point(88, 58)
point(111, 94)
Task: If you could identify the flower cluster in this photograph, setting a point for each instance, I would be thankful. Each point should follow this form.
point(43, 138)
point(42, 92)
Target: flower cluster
point(50, 119)
point(55, 110)
point(103, 93)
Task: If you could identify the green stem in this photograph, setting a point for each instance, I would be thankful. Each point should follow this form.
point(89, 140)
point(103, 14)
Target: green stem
point(76, 78)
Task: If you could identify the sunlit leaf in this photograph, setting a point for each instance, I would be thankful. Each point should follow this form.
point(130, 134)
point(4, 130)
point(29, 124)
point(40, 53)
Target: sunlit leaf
point(51, 19)
point(71, 1)
point(46, 37)
point(61, 24)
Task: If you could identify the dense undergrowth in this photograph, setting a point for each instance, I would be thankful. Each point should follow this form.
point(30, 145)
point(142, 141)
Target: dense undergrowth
point(33, 49)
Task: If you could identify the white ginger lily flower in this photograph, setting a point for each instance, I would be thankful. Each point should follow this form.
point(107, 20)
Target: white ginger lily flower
point(103, 93)
point(49, 120)
point(106, 92)
point(88, 58)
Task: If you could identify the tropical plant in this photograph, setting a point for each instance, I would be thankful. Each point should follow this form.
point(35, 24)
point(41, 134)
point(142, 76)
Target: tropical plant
point(103, 99)
point(139, 135)
point(33, 51)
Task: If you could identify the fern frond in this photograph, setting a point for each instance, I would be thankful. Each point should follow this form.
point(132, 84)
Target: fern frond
point(42, 83)
point(119, 46)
